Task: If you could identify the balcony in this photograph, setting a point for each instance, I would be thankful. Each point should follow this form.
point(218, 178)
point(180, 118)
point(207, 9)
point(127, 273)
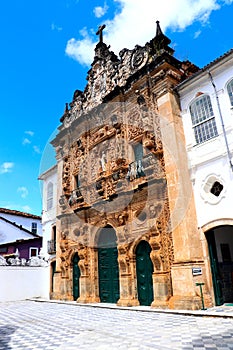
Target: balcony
point(135, 170)
point(76, 197)
point(51, 246)
point(112, 182)
point(150, 167)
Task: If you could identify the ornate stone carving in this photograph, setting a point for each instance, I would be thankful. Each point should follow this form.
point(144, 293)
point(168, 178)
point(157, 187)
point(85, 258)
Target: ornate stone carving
point(124, 259)
point(109, 72)
point(139, 57)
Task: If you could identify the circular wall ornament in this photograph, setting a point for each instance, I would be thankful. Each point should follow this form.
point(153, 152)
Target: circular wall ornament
point(213, 189)
point(138, 59)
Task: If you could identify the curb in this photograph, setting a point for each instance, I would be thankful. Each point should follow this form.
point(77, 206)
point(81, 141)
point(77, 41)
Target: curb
point(198, 313)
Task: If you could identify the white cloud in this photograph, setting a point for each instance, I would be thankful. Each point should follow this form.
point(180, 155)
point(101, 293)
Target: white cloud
point(26, 141)
point(197, 34)
point(81, 50)
point(100, 11)
point(6, 167)
point(56, 27)
point(26, 209)
point(16, 206)
point(123, 30)
point(37, 149)
point(29, 132)
point(23, 191)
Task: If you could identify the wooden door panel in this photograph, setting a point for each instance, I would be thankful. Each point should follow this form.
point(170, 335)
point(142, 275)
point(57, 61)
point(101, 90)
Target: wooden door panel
point(144, 269)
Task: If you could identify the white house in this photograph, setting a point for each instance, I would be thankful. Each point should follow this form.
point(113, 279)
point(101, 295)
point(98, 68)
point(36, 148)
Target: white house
point(24, 274)
point(28, 221)
point(206, 100)
point(49, 205)
point(21, 232)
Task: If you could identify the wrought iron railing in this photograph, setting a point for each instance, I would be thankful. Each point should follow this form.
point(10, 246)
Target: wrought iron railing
point(51, 245)
point(135, 170)
point(76, 197)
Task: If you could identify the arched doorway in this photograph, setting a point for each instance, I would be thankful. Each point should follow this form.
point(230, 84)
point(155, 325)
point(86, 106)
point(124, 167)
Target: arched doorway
point(220, 245)
point(76, 276)
point(144, 269)
point(108, 266)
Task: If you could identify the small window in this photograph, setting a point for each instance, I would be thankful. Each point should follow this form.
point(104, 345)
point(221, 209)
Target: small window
point(203, 119)
point(34, 227)
point(138, 151)
point(230, 91)
point(33, 252)
point(49, 196)
point(3, 249)
point(216, 189)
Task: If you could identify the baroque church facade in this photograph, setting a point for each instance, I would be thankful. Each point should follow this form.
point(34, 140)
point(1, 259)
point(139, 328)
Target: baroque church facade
point(126, 226)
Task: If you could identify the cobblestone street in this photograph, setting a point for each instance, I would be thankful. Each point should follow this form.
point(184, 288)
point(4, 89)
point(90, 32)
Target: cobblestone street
point(36, 325)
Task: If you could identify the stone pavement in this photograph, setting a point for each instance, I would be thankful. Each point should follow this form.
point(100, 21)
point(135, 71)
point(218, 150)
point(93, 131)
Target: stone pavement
point(31, 325)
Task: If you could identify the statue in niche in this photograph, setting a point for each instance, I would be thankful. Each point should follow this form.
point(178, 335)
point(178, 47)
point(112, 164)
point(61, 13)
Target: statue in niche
point(103, 161)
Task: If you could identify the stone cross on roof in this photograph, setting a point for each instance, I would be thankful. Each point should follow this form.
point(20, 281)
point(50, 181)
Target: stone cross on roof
point(100, 32)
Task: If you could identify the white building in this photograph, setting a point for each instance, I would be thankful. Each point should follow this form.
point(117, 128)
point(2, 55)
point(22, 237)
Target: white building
point(49, 205)
point(20, 232)
point(206, 101)
point(28, 221)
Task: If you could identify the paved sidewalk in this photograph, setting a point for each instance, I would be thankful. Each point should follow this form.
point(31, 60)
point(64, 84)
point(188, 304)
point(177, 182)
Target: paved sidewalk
point(30, 325)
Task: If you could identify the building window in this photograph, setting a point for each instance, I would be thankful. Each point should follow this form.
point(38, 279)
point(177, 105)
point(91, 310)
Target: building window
point(216, 189)
point(49, 196)
point(136, 168)
point(3, 250)
point(230, 91)
point(52, 243)
point(203, 119)
point(138, 151)
point(213, 189)
point(33, 252)
point(77, 181)
point(34, 227)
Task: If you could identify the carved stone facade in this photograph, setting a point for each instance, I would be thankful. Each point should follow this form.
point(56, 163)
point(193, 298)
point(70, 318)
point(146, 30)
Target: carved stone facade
point(122, 172)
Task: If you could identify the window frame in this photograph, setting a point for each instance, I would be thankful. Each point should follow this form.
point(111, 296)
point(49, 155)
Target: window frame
point(34, 227)
point(203, 119)
point(30, 252)
point(49, 193)
point(229, 86)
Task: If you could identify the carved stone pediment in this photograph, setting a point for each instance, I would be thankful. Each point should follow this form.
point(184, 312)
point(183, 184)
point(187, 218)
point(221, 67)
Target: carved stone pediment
point(109, 72)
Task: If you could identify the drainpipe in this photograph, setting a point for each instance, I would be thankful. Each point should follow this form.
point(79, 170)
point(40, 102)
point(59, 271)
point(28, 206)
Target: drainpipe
point(220, 114)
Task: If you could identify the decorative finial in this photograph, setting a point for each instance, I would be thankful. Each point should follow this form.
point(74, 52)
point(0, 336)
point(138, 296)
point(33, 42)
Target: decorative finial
point(158, 29)
point(100, 32)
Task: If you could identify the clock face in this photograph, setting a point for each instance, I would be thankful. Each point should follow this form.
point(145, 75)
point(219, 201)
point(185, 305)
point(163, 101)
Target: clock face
point(139, 59)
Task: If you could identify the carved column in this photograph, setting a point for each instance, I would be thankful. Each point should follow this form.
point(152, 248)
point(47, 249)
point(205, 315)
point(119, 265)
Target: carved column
point(86, 283)
point(128, 288)
point(161, 277)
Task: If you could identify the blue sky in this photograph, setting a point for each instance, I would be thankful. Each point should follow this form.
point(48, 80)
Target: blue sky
point(47, 47)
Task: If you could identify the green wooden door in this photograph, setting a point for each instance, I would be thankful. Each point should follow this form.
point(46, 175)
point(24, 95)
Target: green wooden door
point(108, 266)
point(144, 268)
point(53, 268)
point(217, 282)
point(76, 276)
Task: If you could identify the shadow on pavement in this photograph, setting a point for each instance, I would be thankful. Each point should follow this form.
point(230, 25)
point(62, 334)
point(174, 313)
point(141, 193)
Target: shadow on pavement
point(5, 336)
